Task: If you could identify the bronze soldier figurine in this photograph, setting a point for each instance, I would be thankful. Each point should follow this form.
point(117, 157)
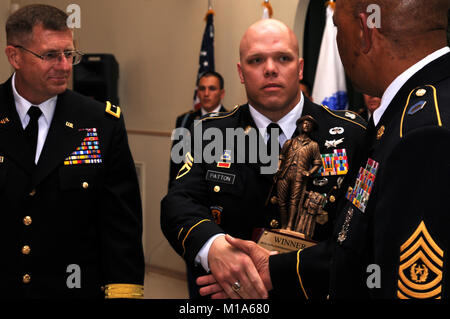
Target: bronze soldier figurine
point(299, 159)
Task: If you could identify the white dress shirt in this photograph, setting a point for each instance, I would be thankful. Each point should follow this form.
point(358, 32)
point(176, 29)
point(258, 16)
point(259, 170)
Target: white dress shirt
point(48, 110)
point(288, 125)
point(216, 110)
point(397, 84)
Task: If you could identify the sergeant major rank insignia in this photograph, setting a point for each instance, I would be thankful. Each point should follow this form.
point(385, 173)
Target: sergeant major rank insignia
point(421, 264)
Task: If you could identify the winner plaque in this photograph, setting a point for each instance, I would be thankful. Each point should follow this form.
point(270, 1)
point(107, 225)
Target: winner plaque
point(299, 209)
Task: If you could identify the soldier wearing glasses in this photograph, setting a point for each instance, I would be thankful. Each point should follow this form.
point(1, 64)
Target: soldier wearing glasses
point(70, 202)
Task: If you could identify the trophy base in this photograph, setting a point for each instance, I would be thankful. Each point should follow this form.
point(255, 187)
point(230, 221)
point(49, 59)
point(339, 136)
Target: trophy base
point(282, 240)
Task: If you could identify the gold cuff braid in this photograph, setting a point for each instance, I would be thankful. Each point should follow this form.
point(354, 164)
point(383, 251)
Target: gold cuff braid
point(128, 291)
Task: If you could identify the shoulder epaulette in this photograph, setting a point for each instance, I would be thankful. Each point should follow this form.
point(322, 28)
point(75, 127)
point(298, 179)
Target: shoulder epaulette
point(347, 115)
point(112, 109)
point(423, 102)
point(218, 115)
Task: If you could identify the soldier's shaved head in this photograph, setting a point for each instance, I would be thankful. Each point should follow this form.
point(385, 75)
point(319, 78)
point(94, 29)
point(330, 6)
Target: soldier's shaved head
point(265, 26)
point(270, 68)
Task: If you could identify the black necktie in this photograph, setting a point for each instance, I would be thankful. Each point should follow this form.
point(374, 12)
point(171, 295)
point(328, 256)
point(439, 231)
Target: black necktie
point(269, 141)
point(32, 129)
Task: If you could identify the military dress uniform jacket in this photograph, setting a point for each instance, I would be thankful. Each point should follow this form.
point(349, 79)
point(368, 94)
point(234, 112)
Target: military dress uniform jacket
point(71, 226)
point(391, 241)
point(228, 196)
point(185, 121)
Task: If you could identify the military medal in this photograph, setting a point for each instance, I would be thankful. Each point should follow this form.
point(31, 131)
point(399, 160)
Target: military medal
point(88, 152)
point(225, 160)
point(335, 163)
point(360, 193)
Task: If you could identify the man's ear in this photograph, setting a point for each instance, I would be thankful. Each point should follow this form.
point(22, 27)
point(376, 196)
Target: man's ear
point(241, 76)
point(301, 63)
point(366, 33)
point(13, 56)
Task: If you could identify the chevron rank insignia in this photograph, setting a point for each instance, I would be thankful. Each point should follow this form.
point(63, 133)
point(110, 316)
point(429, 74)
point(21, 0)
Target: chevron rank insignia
point(420, 269)
point(188, 162)
point(112, 109)
point(88, 152)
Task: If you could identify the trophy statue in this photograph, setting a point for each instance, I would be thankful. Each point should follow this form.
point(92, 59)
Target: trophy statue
point(299, 160)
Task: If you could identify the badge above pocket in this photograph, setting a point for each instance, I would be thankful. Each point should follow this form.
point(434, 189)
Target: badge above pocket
point(89, 150)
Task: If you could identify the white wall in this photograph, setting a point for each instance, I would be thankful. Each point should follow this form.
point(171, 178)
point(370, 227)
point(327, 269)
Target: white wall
point(157, 43)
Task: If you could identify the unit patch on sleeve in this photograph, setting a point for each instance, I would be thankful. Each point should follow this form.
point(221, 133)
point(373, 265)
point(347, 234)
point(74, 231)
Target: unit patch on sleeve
point(420, 269)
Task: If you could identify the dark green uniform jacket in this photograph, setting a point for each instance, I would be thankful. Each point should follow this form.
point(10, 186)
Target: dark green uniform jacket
point(207, 199)
point(391, 238)
point(71, 226)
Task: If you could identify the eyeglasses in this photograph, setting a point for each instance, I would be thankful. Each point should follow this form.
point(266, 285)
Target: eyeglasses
point(53, 57)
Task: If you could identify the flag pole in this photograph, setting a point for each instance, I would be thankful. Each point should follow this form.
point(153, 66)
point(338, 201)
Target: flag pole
point(210, 10)
point(267, 11)
point(206, 57)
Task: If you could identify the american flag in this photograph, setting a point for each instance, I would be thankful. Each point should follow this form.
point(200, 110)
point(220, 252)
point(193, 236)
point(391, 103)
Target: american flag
point(206, 60)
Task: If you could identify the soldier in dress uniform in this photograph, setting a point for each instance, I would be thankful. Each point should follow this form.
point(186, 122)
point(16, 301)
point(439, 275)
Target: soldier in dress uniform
point(71, 210)
point(391, 237)
point(210, 92)
point(228, 196)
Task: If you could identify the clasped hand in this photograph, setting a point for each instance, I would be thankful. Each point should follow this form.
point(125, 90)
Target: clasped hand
point(239, 269)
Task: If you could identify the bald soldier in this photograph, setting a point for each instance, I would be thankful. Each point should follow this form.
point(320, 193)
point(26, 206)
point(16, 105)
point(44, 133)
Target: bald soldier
point(228, 195)
point(391, 238)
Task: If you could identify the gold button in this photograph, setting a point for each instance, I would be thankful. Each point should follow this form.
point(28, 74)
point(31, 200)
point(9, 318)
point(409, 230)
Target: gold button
point(217, 189)
point(332, 199)
point(33, 192)
point(274, 200)
point(421, 92)
point(274, 223)
point(27, 220)
point(85, 185)
point(26, 279)
point(26, 250)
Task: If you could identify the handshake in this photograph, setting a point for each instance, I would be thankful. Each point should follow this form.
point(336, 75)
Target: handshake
point(239, 269)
